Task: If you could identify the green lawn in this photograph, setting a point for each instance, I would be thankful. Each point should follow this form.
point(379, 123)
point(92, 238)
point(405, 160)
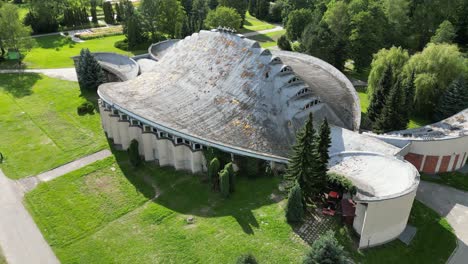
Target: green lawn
point(40, 128)
point(104, 213)
point(454, 179)
point(2, 258)
point(56, 51)
point(434, 241)
point(101, 215)
point(253, 24)
point(269, 39)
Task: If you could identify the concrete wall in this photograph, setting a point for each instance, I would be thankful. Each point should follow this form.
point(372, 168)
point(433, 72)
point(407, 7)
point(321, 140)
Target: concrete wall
point(152, 148)
point(383, 220)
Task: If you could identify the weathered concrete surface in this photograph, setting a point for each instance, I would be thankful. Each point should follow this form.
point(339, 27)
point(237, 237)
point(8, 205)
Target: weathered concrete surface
point(452, 204)
point(29, 183)
point(67, 74)
point(20, 238)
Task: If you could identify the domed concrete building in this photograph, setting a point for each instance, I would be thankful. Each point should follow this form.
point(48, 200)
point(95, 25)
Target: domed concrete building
point(218, 89)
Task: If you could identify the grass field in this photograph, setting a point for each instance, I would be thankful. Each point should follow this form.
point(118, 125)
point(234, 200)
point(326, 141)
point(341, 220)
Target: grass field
point(104, 213)
point(253, 24)
point(100, 215)
point(456, 179)
point(40, 128)
point(269, 39)
point(56, 51)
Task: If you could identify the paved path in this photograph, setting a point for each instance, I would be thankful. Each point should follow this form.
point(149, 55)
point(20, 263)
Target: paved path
point(20, 238)
point(68, 74)
point(250, 34)
point(452, 204)
point(29, 183)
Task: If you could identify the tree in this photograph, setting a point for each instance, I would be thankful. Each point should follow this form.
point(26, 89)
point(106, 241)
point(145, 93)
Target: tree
point(246, 259)
point(435, 68)
point(283, 43)
point(93, 11)
point(197, 15)
point(444, 34)
point(224, 17)
point(213, 170)
point(108, 12)
point(379, 95)
point(297, 21)
point(384, 58)
point(326, 249)
point(295, 207)
point(337, 18)
point(397, 14)
point(118, 12)
point(320, 41)
point(324, 142)
point(134, 154)
point(263, 8)
point(90, 73)
point(224, 183)
point(232, 176)
point(239, 5)
point(13, 34)
point(43, 15)
point(133, 30)
point(305, 165)
point(392, 116)
point(454, 100)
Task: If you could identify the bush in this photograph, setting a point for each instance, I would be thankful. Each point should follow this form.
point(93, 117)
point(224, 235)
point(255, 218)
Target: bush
point(121, 44)
point(213, 170)
point(326, 249)
point(246, 259)
point(85, 108)
point(134, 154)
point(297, 46)
point(340, 182)
point(224, 183)
point(294, 207)
point(232, 176)
point(284, 44)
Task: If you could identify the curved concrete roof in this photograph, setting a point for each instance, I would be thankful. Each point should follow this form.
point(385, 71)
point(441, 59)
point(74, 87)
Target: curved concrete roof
point(376, 176)
point(219, 87)
point(123, 67)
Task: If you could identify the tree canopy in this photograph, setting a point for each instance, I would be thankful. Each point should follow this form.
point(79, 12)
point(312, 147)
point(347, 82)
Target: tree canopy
point(13, 34)
point(444, 34)
point(223, 16)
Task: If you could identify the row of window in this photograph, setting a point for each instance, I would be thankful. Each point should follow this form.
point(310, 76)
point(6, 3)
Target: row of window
point(312, 103)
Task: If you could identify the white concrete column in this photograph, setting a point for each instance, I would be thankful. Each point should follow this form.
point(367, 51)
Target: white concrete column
point(115, 129)
point(422, 163)
point(124, 137)
point(439, 161)
point(147, 140)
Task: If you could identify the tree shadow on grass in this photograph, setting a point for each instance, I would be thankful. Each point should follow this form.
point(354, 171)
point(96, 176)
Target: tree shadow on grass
point(19, 84)
point(186, 194)
point(54, 42)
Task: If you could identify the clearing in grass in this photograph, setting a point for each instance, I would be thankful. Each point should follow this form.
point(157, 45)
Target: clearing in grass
point(268, 40)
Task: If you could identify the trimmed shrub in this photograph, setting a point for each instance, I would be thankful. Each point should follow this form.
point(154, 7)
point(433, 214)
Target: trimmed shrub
point(232, 176)
point(294, 207)
point(85, 108)
point(283, 43)
point(224, 183)
point(326, 249)
point(297, 46)
point(246, 259)
point(134, 154)
point(340, 182)
point(213, 169)
point(121, 44)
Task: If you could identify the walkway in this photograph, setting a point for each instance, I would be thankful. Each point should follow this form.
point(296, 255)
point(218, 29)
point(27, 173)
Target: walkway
point(452, 204)
point(20, 238)
point(67, 74)
point(250, 34)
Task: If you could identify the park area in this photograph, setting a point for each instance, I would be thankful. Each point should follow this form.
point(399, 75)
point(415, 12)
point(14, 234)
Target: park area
point(40, 125)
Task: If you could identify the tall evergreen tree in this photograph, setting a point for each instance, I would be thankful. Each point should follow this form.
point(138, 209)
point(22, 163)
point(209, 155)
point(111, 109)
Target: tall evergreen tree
point(392, 115)
point(93, 11)
point(454, 100)
point(294, 207)
point(409, 97)
point(90, 73)
point(326, 249)
point(324, 142)
point(108, 12)
point(380, 94)
point(118, 12)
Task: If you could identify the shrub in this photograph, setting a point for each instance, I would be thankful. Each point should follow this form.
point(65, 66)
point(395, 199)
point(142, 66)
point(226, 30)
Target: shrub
point(246, 259)
point(100, 33)
point(85, 108)
point(326, 249)
point(297, 46)
point(224, 183)
point(232, 176)
point(284, 44)
point(337, 181)
point(294, 207)
point(213, 169)
point(134, 154)
point(121, 44)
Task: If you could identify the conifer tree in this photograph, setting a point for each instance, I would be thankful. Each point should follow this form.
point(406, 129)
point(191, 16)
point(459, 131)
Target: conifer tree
point(326, 249)
point(224, 183)
point(108, 12)
point(454, 100)
point(324, 141)
point(391, 117)
point(213, 170)
point(294, 207)
point(93, 11)
point(380, 94)
point(409, 90)
point(118, 12)
point(90, 73)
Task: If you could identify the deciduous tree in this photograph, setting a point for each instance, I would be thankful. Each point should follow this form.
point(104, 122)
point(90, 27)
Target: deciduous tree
point(297, 22)
point(224, 17)
point(13, 34)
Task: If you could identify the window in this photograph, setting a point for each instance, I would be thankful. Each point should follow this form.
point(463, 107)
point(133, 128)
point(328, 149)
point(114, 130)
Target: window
point(276, 60)
point(134, 122)
point(115, 112)
point(267, 74)
point(302, 91)
point(265, 52)
point(170, 136)
point(146, 128)
point(179, 140)
point(155, 130)
point(187, 142)
point(293, 80)
point(197, 146)
point(286, 69)
point(124, 117)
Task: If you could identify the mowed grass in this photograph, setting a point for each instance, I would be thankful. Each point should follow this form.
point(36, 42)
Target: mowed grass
point(253, 24)
point(455, 179)
point(39, 126)
point(103, 215)
point(434, 241)
point(269, 39)
point(56, 51)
